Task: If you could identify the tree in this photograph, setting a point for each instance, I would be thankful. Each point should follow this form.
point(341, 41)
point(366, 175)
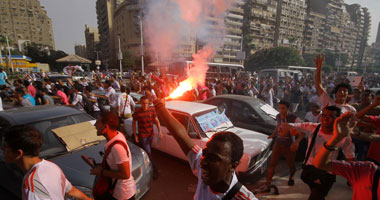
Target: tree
point(270, 58)
point(129, 61)
point(39, 54)
point(330, 58)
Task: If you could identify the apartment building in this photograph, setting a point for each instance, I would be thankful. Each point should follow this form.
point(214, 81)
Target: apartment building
point(260, 23)
point(314, 32)
point(26, 21)
point(105, 11)
point(80, 50)
point(290, 23)
point(92, 42)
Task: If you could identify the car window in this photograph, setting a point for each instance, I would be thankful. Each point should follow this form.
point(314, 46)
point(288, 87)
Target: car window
point(243, 112)
point(182, 118)
point(52, 144)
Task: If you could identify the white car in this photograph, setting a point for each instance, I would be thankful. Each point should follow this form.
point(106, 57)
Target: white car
point(202, 121)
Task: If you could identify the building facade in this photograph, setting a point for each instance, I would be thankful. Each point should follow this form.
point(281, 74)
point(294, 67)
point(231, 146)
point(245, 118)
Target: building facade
point(23, 20)
point(314, 32)
point(80, 50)
point(92, 42)
point(290, 23)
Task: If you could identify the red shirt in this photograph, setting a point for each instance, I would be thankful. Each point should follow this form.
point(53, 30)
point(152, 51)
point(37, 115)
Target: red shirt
point(359, 174)
point(374, 148)
point(31, 90)
point(145, 121)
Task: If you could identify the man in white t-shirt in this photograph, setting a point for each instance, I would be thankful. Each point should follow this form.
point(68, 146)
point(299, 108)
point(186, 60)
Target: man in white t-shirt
point(111, 96)
point(77, 99)
point(214, 165)
point(340, 91)
point(319, 181)
point(43, 179)
point(125, 103)
point(119, 160)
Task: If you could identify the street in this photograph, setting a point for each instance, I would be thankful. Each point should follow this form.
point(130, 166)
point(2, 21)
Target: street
point(176, 181)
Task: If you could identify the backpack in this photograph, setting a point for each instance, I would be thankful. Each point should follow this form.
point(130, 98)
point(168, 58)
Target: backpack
point(87, 104)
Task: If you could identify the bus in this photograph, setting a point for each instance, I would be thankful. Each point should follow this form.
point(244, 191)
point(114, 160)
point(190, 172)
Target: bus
point(304, 70)
point(215, 69)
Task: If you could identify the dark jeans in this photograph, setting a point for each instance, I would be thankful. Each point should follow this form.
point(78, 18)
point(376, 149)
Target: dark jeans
point(146, 144)
point(319, 191)
point(95, 114)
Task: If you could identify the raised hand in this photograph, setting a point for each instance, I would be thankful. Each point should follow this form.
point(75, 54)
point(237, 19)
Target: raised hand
point(344, 125)
point(319, 60)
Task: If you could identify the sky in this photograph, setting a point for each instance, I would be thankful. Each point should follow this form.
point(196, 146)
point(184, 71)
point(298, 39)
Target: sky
point(70, 16)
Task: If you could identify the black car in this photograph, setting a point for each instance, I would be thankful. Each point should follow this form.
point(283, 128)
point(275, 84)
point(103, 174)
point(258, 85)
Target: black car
point(47, 118)
point(247, 112)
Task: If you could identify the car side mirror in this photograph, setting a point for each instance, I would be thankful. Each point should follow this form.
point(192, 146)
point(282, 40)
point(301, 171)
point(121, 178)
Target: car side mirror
point(193, 135)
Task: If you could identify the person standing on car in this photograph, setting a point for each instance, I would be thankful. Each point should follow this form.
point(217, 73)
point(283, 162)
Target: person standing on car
point(119, 160)
point(145, 116)
point(284, 146)
point(320, 181)
point(43, 179)
point(215, 165)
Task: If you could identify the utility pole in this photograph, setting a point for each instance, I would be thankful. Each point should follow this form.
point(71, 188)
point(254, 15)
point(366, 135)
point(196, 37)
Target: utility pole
point(142, 44)
point(9, 52)
point(120, 56)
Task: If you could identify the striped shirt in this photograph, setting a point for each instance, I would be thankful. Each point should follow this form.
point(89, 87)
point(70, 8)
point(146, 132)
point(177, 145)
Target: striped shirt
point(45, 180)
point(203, 190)
point(145, 121)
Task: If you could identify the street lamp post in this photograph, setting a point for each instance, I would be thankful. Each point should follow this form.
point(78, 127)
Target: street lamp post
point(142, 44)
point(120, 56)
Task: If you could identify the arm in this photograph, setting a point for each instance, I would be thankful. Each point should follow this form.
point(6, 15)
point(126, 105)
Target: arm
point(176, 129)
point(343, 127)
point(158, 126)
point(274, 133)
point(362, 112)
point(318, 74)
point(134, 129)
point(77, 194)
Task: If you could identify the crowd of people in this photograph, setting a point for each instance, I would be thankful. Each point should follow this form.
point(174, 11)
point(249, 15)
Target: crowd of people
point(324, 109)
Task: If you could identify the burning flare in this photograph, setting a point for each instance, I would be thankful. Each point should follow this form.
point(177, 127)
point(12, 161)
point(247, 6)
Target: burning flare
point(196, 74)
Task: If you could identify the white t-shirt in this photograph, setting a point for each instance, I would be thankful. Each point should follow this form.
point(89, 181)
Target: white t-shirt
point(78, 101)
point(116, 85)
point(112, 97)
point(1, 105)
point(126, 188)
point(45, 180)
point(95, 105)
point(268, 97)
point(203, 190)
point(312, 118)
point(308, 128)
point(327, 101)
point(124, 98)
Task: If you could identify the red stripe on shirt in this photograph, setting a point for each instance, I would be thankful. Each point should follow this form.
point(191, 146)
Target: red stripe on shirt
point(31, 179)
point(240, 193)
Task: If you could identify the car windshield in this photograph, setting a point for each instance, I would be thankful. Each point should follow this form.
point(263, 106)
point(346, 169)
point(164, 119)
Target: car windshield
point(266, 111)
point(212, 120)
point(52, 145)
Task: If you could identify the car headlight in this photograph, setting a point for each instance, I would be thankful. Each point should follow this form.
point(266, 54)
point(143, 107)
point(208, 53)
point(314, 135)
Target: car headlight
point(87, 191)
point(146, 158)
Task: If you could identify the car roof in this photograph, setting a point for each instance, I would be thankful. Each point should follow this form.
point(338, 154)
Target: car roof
point(188, 107)
point(26, 115)
point(236, 97)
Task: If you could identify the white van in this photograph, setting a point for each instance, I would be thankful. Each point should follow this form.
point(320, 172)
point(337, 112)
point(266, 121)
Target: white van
point(281, 74)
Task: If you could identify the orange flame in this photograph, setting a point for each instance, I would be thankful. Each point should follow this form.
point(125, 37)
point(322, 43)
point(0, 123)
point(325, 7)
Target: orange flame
point(196, 74)
point(183, 87)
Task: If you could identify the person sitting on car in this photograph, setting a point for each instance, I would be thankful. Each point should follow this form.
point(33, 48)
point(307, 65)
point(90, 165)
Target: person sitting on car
point(214, 165)
point(43, 179)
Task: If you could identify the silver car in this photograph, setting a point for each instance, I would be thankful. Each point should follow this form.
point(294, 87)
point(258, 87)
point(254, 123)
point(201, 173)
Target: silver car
point(47, 118)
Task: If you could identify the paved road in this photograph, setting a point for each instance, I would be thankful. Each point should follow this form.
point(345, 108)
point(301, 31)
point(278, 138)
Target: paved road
point(176, 182)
